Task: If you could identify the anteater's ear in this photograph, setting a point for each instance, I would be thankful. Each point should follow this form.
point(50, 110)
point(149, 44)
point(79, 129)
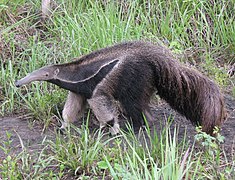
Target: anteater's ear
point(56, 72)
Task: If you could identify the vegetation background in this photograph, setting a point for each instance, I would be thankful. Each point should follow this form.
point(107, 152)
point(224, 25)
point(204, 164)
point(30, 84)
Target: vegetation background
point(200, 32)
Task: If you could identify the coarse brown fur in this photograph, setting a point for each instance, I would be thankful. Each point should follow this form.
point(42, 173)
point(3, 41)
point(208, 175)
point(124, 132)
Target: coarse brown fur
point(121, 80)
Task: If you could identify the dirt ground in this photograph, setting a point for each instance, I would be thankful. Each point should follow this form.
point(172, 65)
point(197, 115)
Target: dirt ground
point(32, 135)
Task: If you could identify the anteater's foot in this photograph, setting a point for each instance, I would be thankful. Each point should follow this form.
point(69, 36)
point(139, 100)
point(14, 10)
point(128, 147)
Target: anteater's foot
point(115, 129)
point(61, 130)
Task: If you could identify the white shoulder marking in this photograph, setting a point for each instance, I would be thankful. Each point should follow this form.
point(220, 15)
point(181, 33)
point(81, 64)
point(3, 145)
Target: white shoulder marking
point(88, 78)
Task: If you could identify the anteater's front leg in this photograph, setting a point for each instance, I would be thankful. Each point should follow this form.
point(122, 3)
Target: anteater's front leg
point(105, 110)
point(73, 109)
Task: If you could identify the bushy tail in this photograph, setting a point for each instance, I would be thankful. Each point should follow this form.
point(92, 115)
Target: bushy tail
point(190, 93)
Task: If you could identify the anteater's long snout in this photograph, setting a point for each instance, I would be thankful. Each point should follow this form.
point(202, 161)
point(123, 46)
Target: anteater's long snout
point(37, 75)
point(23, 81)
point(42, 74)
point(17, 84)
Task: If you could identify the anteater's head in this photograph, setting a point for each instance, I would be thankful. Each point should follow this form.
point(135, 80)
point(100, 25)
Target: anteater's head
point(43, 74)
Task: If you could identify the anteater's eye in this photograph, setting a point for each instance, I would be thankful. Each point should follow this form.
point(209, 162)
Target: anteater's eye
point(47, 74)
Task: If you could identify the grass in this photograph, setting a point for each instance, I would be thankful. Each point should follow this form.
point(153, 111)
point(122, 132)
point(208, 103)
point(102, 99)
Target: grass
point(77, 28)
point(201, 32)
point(95, 155)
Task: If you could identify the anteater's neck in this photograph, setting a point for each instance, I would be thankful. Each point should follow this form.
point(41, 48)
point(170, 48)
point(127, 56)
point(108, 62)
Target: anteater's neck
point(82, 88)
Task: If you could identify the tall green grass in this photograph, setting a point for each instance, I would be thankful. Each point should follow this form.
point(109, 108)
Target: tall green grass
point(78, 27)
point(204, 29)
point(87, 155)
point(126, 156)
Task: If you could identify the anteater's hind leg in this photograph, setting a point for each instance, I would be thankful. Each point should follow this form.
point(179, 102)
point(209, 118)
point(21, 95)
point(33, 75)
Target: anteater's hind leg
point(105, 111)
point(139, 117)
point(148, 115)
point(149, 120)
point(73, 109)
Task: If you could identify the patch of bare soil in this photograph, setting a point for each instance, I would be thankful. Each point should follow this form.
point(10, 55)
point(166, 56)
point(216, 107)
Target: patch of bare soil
point(20, 129)
point(32, 136)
